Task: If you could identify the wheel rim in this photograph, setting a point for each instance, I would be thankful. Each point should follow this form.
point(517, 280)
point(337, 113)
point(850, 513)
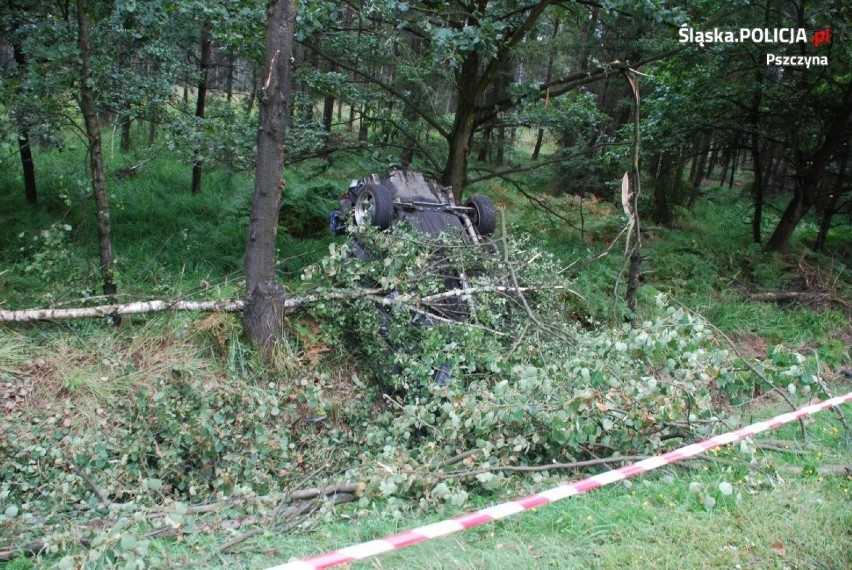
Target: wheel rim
point(365, 208)
point(474, 215)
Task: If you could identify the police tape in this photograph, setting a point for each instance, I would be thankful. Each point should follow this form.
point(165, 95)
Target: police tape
point(497, 512)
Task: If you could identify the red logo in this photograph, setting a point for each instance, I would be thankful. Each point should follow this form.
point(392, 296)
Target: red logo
point(821, 37)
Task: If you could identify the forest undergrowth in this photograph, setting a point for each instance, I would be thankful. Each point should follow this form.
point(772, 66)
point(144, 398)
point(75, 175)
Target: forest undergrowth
point(168, 440)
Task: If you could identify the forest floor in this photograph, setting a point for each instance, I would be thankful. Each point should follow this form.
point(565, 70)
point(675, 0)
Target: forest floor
point(790, 502)
point(789, 509)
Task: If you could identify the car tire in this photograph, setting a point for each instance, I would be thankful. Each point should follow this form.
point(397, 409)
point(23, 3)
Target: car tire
point(374, 206)
point(484, 214)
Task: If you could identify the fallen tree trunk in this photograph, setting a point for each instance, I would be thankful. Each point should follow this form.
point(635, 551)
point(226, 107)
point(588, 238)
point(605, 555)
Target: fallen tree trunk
point(800, 297)
point(236, 305)
point(137, 308)
point(780, 296)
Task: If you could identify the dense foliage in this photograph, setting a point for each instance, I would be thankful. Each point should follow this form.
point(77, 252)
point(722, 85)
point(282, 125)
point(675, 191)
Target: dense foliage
point(528, 388)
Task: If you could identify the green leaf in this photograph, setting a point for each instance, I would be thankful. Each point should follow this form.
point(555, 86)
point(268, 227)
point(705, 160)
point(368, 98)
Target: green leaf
point(128, 542)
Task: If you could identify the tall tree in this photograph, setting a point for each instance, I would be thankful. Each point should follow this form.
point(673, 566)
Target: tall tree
point(201, 99)
point(96, 158)
point(810, 167)
point(479, 66)
point(25, 109)
point(264, 313)
point(24, 146)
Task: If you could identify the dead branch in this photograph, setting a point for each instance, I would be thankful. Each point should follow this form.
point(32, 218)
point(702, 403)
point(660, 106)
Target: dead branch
point(548, 467)
point(95, 489)
point(430, 299)
point(31, 548)
point(279, 510)
point(28, 549)
point(348, 488)
point(791, 451)
point(235, 541)
point(801, 297)
point(821, 470)
point(294, 516)
point(785, 443)
point(458, 458)
point(778, 296)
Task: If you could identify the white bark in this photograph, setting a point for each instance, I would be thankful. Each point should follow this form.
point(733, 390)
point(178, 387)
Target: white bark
point(137, 308)
point(231, 306)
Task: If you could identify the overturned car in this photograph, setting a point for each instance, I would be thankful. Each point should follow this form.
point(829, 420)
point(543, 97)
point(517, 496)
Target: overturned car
point(407, 196)
point(429, 209)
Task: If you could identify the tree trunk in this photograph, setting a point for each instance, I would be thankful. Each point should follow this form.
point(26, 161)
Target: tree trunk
point(201, 100)
point(756, 162)
point(485, 148)
point(795, 211)
point(634, 179)
point(470, 90)
point(833, 199)
point(782, 176)
point(756, 189)
point(767, 159)
point(726, 159)
point(27, 164)
point(677, 184)
point(253, 94)
point(757, 198)
point(125, 116)
point(152, 132)
point(539, 139)
point(263, 319)
point(825, 222)
point(30, 192)
point(734, 160)
point(327, 113)
point(126, 123)
point(807, 181)
point(455, 170)
point(714, 156)
point(363, 129)
point(229, 79)
point(93, 131)
point(664, 187)
point(548, 75)
point(351, 123)
point(500, 159)
point(697, 175)
point(776, 175)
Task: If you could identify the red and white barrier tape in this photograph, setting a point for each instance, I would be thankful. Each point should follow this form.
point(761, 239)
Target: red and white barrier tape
point(470, 520)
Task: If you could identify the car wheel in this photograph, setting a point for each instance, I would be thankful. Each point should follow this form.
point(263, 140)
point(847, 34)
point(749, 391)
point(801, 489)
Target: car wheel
point(374, 206)
point(483, 215)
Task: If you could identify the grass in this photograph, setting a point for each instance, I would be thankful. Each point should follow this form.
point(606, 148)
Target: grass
point(167, 241)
